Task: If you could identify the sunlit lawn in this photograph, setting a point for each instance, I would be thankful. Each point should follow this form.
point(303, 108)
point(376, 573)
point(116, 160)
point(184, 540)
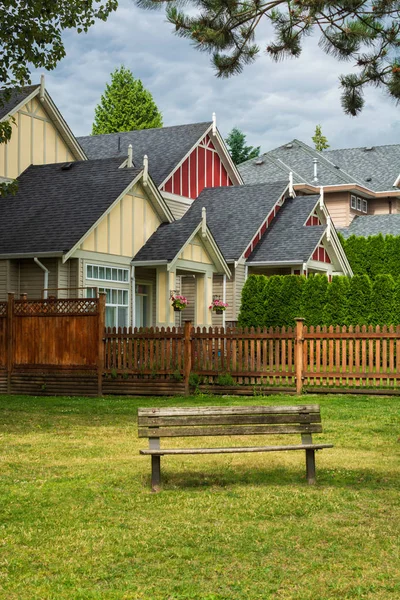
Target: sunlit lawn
point(78, 520)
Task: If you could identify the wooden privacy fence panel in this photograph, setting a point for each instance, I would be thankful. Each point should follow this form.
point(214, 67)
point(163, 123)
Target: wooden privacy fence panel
point(353, 357)
point(51, 345)
point(147, 352)
point(55, 334)
point(250, 356)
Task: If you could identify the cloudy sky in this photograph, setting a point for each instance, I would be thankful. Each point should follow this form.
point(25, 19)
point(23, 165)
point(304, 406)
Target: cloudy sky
point(272, 103)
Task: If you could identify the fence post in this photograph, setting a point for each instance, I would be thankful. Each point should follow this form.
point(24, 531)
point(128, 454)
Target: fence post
point(187, 359)
point(101, 331)
point(299, 354)
point(10, 339)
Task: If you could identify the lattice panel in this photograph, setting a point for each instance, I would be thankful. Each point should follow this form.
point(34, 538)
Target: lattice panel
point(3, 309)
point(79, 306)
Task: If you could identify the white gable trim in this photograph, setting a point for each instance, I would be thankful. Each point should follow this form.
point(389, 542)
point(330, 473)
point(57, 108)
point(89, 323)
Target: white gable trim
point(57, 120)
point(212, 249)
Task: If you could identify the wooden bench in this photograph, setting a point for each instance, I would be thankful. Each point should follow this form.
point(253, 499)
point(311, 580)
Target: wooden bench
point(156, 423)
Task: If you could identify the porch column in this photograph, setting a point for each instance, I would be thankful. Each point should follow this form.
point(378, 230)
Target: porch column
point(166, 282)
point(204, 294)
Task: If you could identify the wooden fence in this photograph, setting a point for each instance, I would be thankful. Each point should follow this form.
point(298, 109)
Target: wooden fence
point(61, 346)
point(52, 346)
point(252, 360)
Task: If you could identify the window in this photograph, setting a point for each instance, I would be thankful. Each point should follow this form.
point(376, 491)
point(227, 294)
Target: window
point(358, 204)
point(107, 273)
point(117, 305)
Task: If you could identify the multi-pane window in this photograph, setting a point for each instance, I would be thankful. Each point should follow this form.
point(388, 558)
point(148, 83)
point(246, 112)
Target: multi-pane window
point(359, 204)
point(117, 305)
point(107, 273)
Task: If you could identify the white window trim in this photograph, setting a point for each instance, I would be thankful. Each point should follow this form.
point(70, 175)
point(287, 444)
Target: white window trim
point(365, 204)
point(91, 278)
point(353, 199)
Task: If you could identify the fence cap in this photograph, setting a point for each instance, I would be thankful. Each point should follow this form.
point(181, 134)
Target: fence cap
point(299, 319)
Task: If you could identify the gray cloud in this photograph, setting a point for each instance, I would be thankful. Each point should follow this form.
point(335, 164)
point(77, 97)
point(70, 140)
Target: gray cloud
point(272, 103)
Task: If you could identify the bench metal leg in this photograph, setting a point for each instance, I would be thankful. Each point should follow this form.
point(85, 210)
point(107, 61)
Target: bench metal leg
point(155, 473)
point(310, 465)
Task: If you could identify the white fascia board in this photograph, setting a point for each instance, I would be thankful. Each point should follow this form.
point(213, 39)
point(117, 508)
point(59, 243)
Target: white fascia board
point(105, 213)
point(21, 104)
point(316, 206)
point(397, 182)
point(341, 253)
point(273, 263)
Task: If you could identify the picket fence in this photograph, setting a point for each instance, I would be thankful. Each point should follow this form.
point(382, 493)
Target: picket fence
point(62, 347)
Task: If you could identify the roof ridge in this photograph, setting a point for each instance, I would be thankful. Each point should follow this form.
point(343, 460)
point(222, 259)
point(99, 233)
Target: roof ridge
point(362, 147)
point(149, 129)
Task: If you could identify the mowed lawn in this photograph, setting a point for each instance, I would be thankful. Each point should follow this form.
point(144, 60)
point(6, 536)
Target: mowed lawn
point(78, 520)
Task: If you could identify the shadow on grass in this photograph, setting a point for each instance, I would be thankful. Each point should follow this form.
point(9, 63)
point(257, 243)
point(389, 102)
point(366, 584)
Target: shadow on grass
point(278, 476)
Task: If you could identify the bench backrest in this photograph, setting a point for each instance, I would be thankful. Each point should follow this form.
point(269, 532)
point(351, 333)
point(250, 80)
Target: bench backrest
point(233, 420)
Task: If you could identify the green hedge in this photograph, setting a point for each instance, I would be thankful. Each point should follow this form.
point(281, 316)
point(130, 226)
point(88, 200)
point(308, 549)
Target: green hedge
point(278, 300)
point(373, 256)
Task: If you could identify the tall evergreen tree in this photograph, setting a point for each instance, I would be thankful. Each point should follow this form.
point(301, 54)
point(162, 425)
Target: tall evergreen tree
point(359, 300)
point(236, 142)
point(291, 294)
point(314, 299)
point(335, 309)
point(273, 301)
point(252, 304)
point(356, 249)
point(376, 256)
point(125, 105)
point(383, 301)
point(363, 32)
point(320, 141)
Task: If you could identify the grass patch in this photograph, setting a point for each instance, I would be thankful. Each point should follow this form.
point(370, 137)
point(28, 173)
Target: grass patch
point(78, 520)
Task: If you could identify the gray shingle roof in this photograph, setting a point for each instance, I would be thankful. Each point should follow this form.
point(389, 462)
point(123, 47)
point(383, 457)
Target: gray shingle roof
point(234, 214)
point(165, 146)
point(54, 208)
point(380, 164)
point(287, 238)
point(298, 158)
point(367, 225)
point(376, 169)
point(8, 104)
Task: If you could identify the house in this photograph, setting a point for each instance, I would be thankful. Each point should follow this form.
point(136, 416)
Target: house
point(356, 181)
point(40, 134)
point(261, 228)
point(183, 159)
point(145, 214)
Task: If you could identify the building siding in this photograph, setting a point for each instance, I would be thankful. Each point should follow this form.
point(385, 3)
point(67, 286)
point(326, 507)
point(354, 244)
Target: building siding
point(32, 276)
point(338, 205)
point(240, 278)
point(3, 280)
point(34, 140)
point(177, 208)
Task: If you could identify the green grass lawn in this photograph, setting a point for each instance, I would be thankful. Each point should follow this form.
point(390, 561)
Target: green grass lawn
point(78, 520)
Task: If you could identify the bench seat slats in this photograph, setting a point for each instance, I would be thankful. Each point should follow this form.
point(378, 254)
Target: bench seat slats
point(234, 450)
point(175, 411)
point(158, 432)
point(228, 420)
